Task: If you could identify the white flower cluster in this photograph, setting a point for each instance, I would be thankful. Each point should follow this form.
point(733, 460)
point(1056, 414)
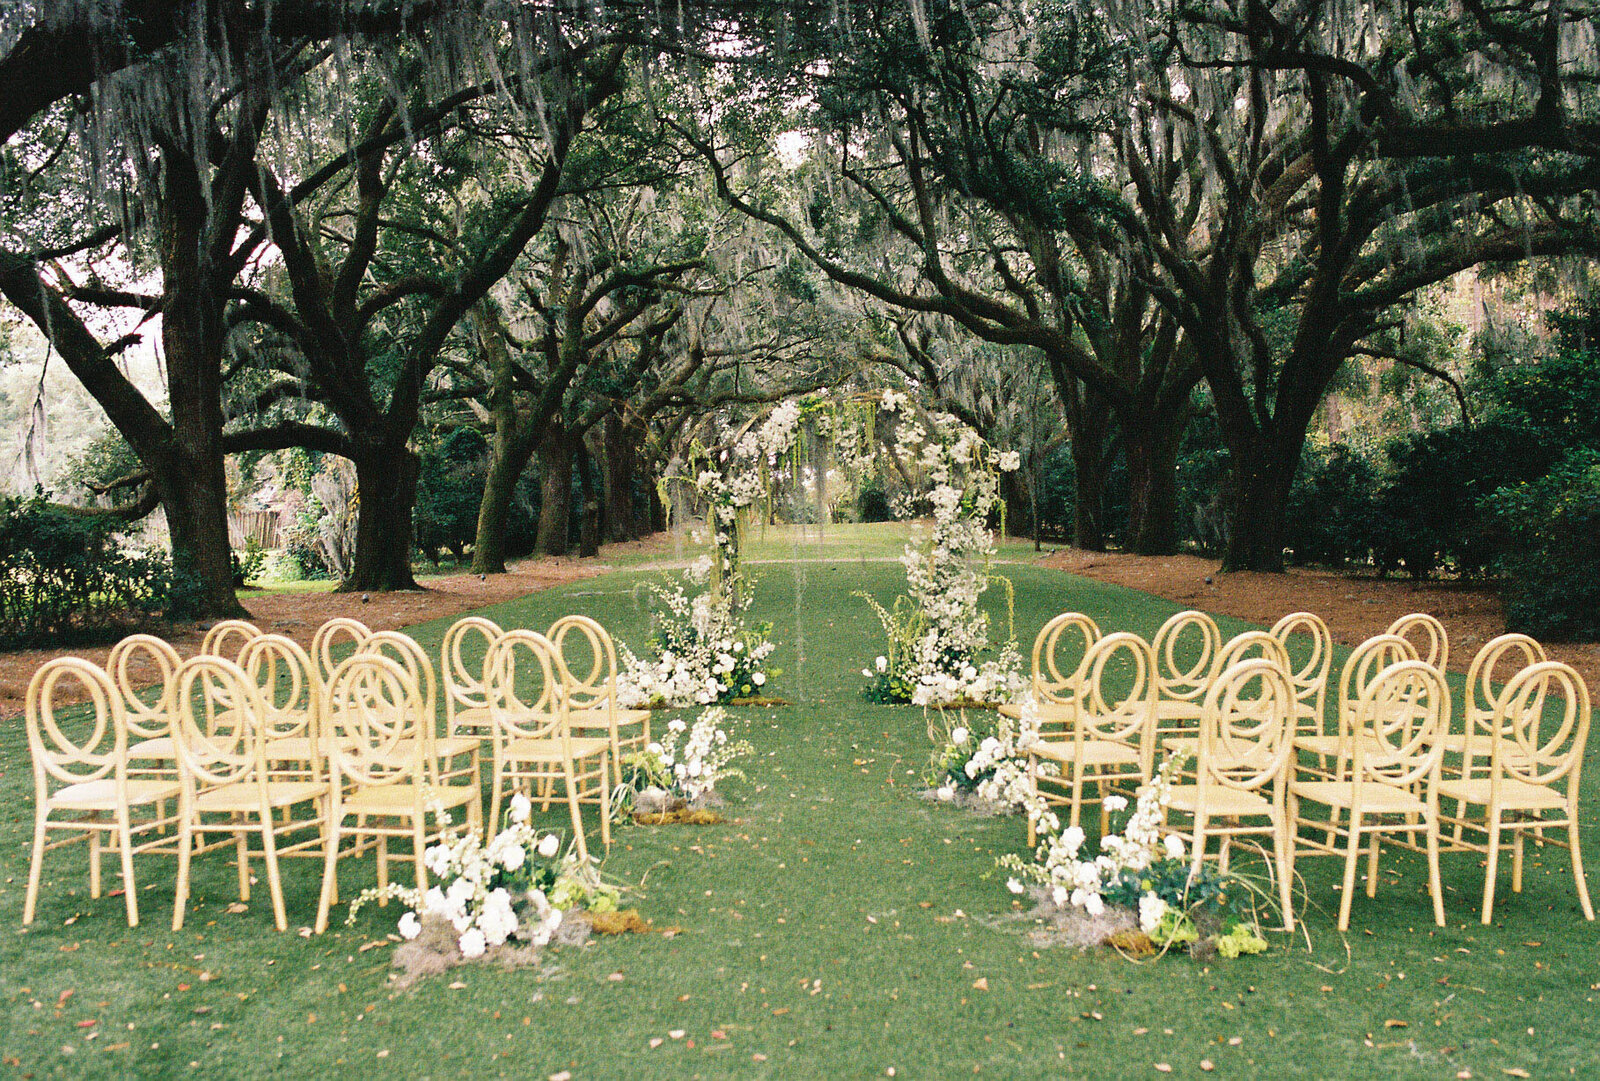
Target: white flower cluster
point(1076, 878)
point(702, 759)
point(706, 655)
point(946, 572)
point(472, 892)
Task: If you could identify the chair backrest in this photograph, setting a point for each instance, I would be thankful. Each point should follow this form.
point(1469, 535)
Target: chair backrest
point(524, 684)
point(146, 715)
point(286, 677)
point(1543, 716)
point(228, 638)
point(1364, 664)
point(329, 635)
point(1397, 722)
point(1250, 645)
point(588, 670)
point(1246, 726)
point(83, 751)
point(1184, 647)
point(1061, 656)
point(377, 733)
point(463, 672)
point(218, 723)
point(1427, 634)
point(1309, 680)
point(404, 650)
point(1118, 697)
point(1517, 649)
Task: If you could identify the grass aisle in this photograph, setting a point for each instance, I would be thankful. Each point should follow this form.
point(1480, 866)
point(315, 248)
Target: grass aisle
point(835, 926)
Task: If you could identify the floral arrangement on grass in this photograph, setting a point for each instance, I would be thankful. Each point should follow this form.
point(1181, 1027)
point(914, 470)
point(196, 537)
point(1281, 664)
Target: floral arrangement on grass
point(938, 636)
point(1144, 874)
point(683, 769)
point(981, 757)
point(516, 887)
point(704, 651)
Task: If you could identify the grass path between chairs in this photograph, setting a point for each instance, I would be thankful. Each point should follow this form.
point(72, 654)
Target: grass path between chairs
point(835, 926)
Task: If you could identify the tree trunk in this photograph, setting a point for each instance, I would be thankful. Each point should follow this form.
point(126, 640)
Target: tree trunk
point(555, 493)
point(386, 491)
point(589, 524)
point(507, 462)
point(1088, 461)
point(1152, 454)
point(622, 462)
point(1259, 499)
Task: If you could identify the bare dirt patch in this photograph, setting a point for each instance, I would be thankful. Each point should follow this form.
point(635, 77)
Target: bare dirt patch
point(1355, 608)
point(298, 615)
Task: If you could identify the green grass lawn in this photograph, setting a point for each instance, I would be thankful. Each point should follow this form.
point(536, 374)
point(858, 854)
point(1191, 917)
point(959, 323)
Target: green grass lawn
point(834, 927)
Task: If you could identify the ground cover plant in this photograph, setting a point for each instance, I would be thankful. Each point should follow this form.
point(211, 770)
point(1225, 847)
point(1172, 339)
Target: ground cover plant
point(833, 925)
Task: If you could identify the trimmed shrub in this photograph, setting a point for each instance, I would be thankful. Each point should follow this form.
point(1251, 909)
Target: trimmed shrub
point(1551, 534)
point(64, 579)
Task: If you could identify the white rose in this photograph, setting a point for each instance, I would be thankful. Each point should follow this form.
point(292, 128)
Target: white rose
point(1093, 905)
point(959, 736)
point(549, 845)
point(1014, 886)
point(513, 857)
point(946, 794)
point(521, 807)
point(882, 664)
point(1174, 845)
point(410, 926)
point(1116, 803)
point(759, 679)
point(473, 944)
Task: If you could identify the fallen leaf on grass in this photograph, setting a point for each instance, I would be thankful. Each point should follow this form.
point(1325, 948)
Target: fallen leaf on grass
point(1392, 1023)
point(1516, 1071)
point(1163, 1067)
point(981, 983)
point(238, 907)
point(88, 1023)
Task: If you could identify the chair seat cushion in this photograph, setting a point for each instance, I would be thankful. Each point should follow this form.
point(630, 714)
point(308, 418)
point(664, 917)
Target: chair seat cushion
point(1221, 802)
point(550, 750)
point(159, 748)
point(1375, 797)
point(102, 795)
point(1515, 795)
point(402, 799)
point(600, 717)
point(1092, 752)
point(248, 797)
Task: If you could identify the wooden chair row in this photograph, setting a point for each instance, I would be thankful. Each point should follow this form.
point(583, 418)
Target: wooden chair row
point(1261, 751)
point(275, 744)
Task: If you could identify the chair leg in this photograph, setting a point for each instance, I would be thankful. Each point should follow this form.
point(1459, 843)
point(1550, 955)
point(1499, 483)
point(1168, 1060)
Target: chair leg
point(1577, 866)
point(36, 867)
point(180, 898)
point(419, 845)
point(1033, 790)
point(383, 870)
point(130, 895)
point(496, 790)
point(577, 819)
point(1517, 838)
point(269, 856)
point(241, 847)
point(1493, 866)
point(605, 806)
point(1435, 887)
point(94, 863)
point(330, 860)
point(1372, 866)
point(1351, 855)
point(1284, 838)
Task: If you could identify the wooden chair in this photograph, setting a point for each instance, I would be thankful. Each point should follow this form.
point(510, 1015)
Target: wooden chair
point(466, 698)
point(228, 637)
point(1060, 659)
point(1391, 784)
point(219, 727)
point(451, 755)
point(82, 786)
point(533, 741)
point(1310, 680)
point(1427, 635)
point(329, 636)
point(379, 743)
point(1113, 734)
point(1537, 735)
point(1245, 739)
point(1492, 668)
point(286, 678)
point(150, 749)
point(1185, 647)
point(1242, 647)
point(1327, 749)
point(592, 697)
